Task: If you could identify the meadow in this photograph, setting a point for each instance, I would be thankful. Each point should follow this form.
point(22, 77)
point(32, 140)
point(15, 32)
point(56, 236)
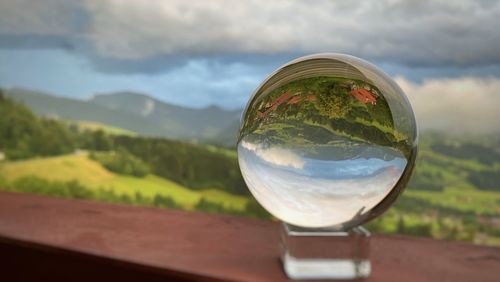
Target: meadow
point(454, 193)
point(92, 175)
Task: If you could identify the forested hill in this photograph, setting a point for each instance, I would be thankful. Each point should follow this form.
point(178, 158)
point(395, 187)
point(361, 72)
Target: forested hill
point(453, 194)
point(138, 113)
point(23, 135)
point(457, 161)
point(443, 160)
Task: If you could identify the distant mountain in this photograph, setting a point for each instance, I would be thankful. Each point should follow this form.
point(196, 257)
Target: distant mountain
point(227, 136)
point(138, 113)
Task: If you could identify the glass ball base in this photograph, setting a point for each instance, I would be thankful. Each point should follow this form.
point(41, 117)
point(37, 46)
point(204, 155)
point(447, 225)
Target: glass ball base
point(325, 253)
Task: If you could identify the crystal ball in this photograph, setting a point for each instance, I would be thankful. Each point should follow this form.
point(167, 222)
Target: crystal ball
point(327, 140)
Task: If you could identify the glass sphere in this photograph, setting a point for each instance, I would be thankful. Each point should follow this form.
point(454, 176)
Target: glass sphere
point(327, 140)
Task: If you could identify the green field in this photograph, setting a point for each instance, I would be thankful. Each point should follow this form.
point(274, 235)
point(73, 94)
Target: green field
point(465, 214)
point(93, 126)
point(459, 211)
point(465, 200)
point(454, 192)
point(442, 202)
point(91, 174)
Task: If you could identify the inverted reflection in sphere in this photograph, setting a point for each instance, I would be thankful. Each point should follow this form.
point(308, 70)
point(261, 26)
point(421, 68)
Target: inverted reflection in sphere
point(327, 140)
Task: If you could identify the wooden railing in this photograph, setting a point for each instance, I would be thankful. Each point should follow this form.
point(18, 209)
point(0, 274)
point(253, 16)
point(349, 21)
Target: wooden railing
point(50, 239)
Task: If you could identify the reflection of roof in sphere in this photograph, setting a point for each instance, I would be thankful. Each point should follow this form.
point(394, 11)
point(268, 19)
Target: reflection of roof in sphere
point(294, 99)
point(327, 140)
point(281, 99)
point(364, 96)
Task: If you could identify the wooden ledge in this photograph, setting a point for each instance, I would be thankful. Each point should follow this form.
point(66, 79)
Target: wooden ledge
point(71, 240)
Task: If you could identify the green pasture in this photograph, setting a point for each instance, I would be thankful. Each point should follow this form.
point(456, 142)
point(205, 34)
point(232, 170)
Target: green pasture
point(91, 174)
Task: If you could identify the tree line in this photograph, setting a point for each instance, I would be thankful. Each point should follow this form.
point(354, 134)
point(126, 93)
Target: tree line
point(24, 135)
point(75, 190)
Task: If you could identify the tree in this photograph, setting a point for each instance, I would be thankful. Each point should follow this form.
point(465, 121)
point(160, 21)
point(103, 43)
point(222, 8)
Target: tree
point(101, 141)
point(23, 135)
point(121, 161)
point(334, 101)
point(207, 206)
point(401, 226)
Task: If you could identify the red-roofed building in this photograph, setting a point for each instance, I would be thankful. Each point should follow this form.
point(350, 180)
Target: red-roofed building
point(281, 99)
point(364, 96)
point(294, 100)
point(287, 96)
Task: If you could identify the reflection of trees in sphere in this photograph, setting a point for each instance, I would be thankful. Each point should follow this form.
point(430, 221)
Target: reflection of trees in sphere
point(335, 101)
point(327, 140)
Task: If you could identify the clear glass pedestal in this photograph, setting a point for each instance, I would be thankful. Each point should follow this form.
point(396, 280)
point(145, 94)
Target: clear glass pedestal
point(312, 253)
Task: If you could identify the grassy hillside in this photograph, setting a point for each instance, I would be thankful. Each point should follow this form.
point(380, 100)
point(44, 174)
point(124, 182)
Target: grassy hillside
point(24, 136)
point(134, 112)
point(94, 126)
point(58, 107)
point(463, 200)
point(93, 175)
point(452, 214)
point(177, 121)
point(194, 166)
point(443, 199)
point(454, 192)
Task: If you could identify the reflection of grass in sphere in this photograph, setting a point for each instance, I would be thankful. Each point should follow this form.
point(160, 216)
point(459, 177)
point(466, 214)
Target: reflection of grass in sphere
point(320, 143)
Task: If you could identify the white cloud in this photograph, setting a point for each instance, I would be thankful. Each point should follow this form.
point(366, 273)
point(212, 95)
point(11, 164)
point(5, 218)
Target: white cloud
point(413, 32)
point(314, 201)
point(458, 105)
point(445, 33)
point(276, 156)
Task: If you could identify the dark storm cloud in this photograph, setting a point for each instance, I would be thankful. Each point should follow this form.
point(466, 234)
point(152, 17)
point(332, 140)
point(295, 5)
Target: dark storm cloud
point(150, 36)
point(217, 52)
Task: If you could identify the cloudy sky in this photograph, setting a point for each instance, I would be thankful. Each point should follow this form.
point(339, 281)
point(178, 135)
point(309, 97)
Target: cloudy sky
point(445, 54)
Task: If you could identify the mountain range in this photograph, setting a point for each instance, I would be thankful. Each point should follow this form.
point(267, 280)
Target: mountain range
point(138, 113)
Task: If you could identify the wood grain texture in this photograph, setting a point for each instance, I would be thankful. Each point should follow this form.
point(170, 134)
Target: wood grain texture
point(61, 239)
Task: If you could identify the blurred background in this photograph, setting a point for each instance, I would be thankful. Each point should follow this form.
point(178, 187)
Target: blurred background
point(138, 102)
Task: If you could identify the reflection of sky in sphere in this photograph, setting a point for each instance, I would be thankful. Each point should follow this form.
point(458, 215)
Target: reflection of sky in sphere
point(315, 193)
point(325, 139)
point(345, 169)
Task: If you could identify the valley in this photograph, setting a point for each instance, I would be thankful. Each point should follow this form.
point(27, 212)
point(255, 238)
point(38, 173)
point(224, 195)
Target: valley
point(454, 193)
